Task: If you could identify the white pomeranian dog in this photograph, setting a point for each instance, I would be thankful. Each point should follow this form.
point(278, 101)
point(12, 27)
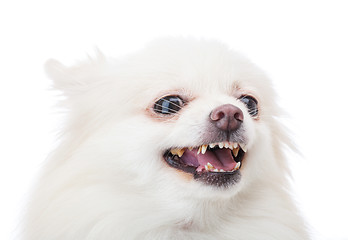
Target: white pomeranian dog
point(180, 140)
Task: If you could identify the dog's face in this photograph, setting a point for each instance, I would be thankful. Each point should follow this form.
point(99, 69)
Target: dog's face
point(189, 116)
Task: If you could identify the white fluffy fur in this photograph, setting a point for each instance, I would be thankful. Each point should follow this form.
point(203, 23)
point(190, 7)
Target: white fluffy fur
point(107, 179)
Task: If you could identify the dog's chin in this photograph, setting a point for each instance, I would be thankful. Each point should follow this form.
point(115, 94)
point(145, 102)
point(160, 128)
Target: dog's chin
point(217, 165)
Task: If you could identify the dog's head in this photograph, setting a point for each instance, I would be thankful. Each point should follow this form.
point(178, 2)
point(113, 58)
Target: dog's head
point(186, 115)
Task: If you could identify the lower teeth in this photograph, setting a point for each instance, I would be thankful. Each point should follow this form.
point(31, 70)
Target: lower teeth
point(210, 167)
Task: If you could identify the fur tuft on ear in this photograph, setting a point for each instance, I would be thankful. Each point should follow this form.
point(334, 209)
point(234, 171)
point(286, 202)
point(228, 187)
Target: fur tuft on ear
point(57, 72)
point(76, 78)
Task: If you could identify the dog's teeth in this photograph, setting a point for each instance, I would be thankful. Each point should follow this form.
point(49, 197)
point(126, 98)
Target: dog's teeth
point(243, 147)
point(221, 145)
point(178, 151)
point(235, 145)
point(199, 150)
point(221, 170)
point(210, 166)
point(216, 170)
point(237, 166)
point(204, 148)
point(235, 151)
point(190, 148)
point(212, 145)
point(181, 153)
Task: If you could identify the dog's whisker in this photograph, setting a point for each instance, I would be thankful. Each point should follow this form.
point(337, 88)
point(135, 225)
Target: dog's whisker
point(172, 103)
point(171, 111)
point(156, 104)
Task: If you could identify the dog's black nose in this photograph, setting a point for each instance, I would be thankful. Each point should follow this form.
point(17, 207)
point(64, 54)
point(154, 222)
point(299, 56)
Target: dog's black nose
point(227, 117)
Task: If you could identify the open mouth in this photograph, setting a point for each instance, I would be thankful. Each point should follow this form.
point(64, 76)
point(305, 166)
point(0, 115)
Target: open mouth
point(216, 163)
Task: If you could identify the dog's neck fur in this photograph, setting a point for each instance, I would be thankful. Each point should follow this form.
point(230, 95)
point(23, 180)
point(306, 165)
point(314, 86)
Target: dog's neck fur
point(237, 218)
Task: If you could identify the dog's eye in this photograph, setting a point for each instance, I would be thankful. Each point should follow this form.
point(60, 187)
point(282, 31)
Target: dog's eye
point(251, 104)
point(168, 105)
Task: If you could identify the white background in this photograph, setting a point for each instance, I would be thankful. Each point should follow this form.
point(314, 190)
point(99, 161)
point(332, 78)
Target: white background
point(302, 45)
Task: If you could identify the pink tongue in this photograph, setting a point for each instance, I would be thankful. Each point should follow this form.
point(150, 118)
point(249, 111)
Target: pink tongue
point(219, 158)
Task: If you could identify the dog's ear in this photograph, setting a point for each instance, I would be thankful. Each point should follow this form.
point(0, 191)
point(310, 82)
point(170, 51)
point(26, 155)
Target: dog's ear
point(78, 78)
point(59, 73)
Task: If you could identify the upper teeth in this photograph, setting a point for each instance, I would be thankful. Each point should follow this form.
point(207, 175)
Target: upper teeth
point(243, 147)
point(177, 151)
point(235, 151)
point(203, 148)
point(231, 145)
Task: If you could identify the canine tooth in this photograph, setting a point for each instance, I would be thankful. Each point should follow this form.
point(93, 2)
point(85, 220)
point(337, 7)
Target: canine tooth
point(237, 166)
point(210, 166)
point(199, 150)
point(243, 147)
point(178, 151)
point(181, 153)
point(235, 151)
point(204, 148)
point(221, 145)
